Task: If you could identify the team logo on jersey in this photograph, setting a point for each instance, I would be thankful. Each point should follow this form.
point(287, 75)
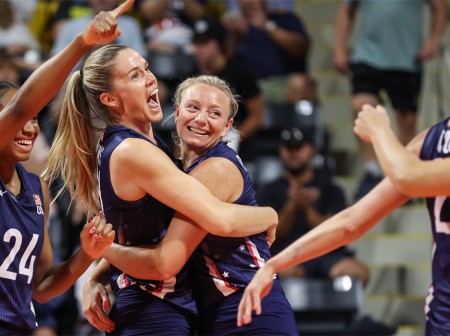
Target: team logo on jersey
point(3, 192)
point(37, 201)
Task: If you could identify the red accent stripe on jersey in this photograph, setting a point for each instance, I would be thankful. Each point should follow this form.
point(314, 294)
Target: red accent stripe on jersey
point(253, 250)
point(214, 272)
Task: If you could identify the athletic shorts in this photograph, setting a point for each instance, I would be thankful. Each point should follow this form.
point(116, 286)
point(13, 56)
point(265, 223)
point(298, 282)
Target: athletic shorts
point(137, 312)
point(402, 88)
point(277, 317)
point(320, 267)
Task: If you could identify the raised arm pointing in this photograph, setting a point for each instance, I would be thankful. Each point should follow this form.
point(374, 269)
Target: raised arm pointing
point(45, 82)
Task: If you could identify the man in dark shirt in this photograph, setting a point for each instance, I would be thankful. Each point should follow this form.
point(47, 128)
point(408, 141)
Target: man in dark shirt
point(304, 198)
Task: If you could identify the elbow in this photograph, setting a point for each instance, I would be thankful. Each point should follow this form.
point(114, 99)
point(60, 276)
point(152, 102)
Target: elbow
point(352, 228)
point(226, 230)
point(351, 232)
point(165, 274)
point(160, 272)
point(223, 227)
point(404, 182)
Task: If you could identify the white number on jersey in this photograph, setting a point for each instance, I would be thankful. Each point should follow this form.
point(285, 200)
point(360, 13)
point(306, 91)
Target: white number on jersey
point(26, 257)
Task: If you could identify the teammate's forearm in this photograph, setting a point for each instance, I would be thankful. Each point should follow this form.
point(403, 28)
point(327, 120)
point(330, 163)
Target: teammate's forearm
point(60, 277)
point(396, 162)
point(250, 220)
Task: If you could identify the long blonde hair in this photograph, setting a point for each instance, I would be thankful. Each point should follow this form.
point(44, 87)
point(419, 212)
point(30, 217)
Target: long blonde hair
point(72, 155)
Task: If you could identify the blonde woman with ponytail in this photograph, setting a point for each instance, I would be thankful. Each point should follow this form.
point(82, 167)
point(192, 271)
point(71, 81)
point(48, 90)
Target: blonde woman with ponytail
point(130, 173)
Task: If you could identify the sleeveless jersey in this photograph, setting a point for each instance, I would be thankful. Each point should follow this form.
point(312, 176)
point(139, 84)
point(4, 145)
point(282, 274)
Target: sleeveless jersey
point(437, 307)
point(141, 222)
point(22, 235)
point(224, 265)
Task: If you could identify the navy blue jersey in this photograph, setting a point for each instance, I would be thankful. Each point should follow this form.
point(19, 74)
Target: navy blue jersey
point(140, 222)
point(224, 265)
point(436, 146)
point(22, 235)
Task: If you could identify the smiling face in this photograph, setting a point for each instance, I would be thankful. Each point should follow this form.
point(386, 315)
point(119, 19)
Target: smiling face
point(203, 117)
point(134, 99)
point(20, 147)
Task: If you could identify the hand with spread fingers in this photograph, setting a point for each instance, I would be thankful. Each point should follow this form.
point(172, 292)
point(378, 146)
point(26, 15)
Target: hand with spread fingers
point(103, 28)
point(255, 291)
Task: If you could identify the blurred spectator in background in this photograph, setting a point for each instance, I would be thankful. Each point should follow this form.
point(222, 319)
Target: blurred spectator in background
point(272, 5)
point(168, 36)
point(9, 71)
point(275, 45)
point(132, 35)
point(304, 198)
point(388, 54)
point(210, 54)
point(68, 10)
point(16, 40)
point(15, 37)
point(40, 23)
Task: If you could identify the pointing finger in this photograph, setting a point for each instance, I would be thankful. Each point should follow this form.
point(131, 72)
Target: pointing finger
point(122, 8)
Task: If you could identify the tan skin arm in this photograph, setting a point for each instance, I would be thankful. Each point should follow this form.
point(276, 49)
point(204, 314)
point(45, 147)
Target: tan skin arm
point(295, 44)
point(155, 174)
point(33, 95)
point(343, 27)
point(339, 230)
point(52, 279)
point(439, 19)
point(165, 260)
point(162, 261)
point(410, 175)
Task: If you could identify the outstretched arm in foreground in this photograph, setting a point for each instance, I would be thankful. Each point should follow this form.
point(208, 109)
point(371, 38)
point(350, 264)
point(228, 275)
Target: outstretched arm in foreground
point(410, 175)
point(341, 229)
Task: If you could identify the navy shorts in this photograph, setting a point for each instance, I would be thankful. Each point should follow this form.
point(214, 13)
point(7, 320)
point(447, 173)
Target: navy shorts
point(137, 312)
point(402, 88)
point(277, 317)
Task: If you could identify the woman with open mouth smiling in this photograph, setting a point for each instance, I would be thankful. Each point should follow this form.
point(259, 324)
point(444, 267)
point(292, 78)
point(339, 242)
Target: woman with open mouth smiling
point(140, 187)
